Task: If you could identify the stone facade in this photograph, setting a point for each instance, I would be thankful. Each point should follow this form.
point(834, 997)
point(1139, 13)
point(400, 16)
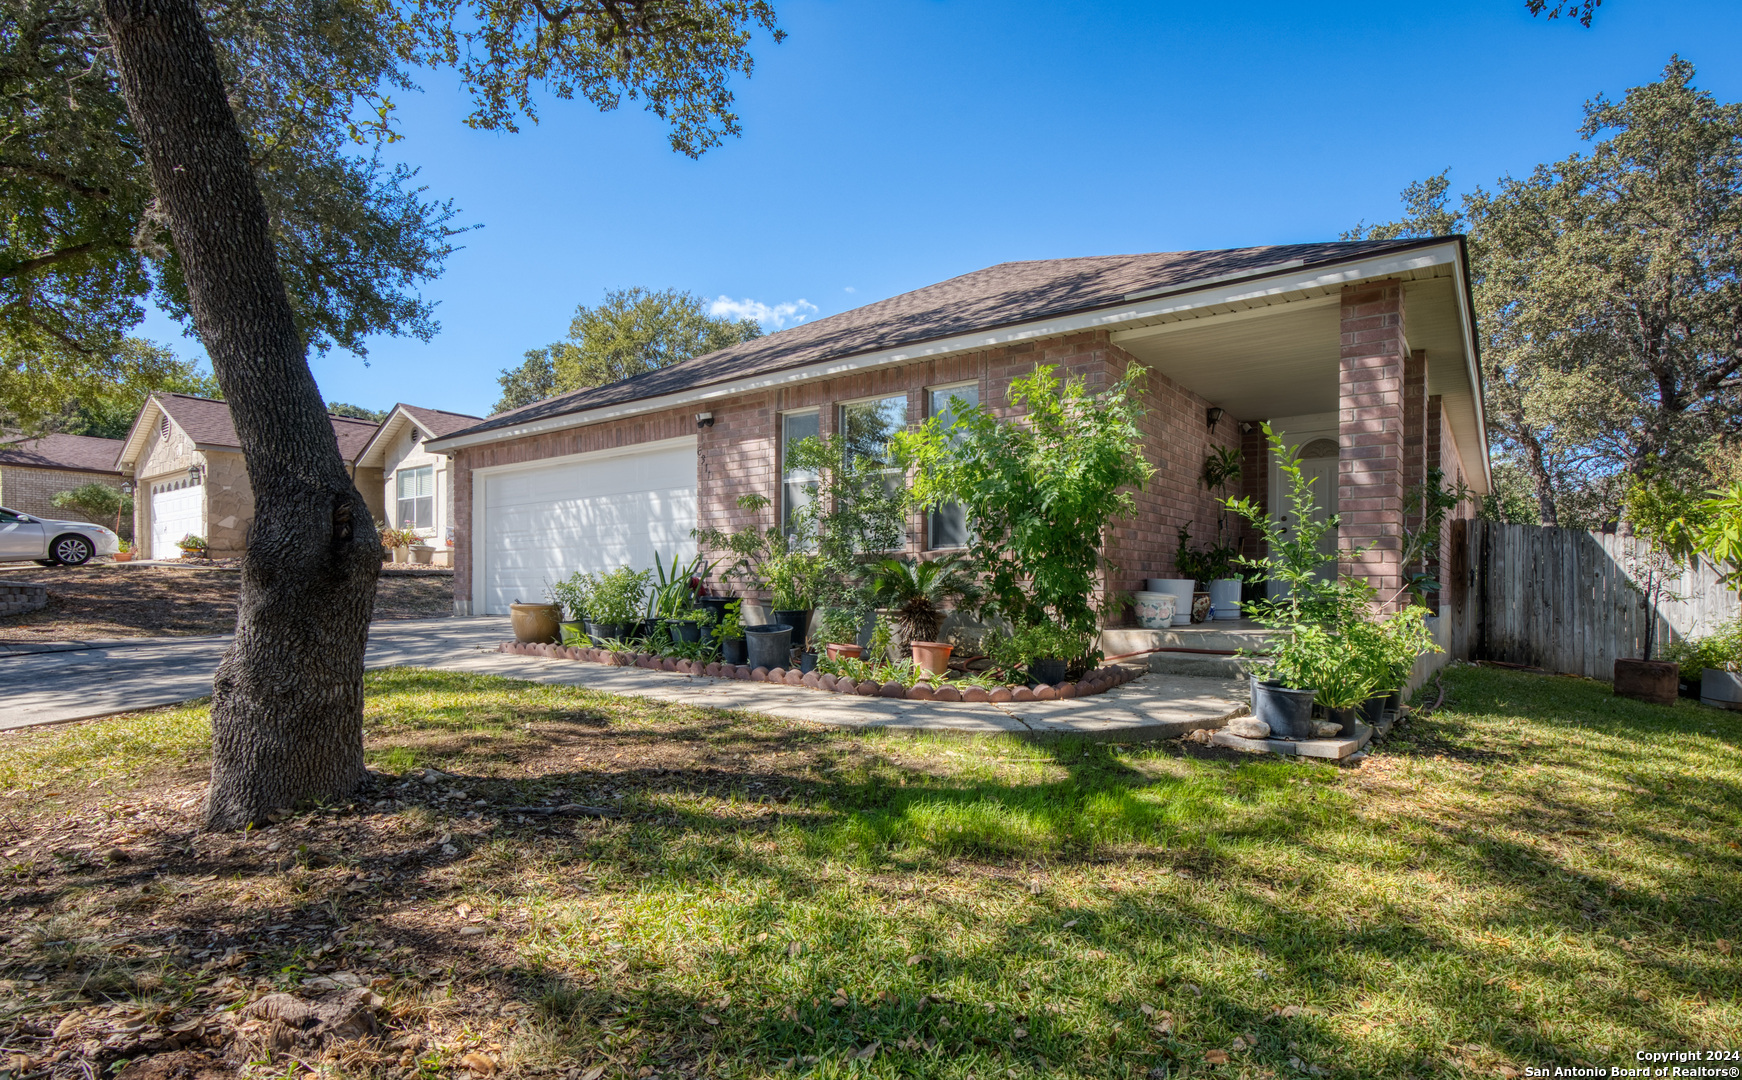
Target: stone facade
point(32, 491)
point(172, 453)
point(739, 453)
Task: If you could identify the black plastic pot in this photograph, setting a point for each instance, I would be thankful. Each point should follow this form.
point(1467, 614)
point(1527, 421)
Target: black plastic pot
point(733, 651)
point(1287, 710)
point(601, 632)
point(716, 604)
point(807, 663)
point(799, 620)
point(769, 645)
point(684, 630)
point(1048, 671)
point(1373, 709)
point(646, 627)
point(1345, 716)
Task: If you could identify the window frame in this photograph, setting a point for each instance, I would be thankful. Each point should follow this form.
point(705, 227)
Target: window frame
point(399, 499)
point(783, 477)
point(931, 543)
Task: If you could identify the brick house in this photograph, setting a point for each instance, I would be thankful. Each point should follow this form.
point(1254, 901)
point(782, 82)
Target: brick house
point(1361, 353)
point(186, 463)
point(34, 471)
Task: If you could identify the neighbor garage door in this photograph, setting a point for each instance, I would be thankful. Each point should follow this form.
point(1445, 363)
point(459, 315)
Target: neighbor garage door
point(177, 510)
point(543, 523)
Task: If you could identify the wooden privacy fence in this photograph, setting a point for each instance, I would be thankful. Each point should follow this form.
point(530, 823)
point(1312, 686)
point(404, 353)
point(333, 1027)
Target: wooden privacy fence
point(1561, 599)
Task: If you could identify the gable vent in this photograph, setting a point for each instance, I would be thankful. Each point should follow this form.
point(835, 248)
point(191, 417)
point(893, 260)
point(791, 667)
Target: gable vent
point(163, 428)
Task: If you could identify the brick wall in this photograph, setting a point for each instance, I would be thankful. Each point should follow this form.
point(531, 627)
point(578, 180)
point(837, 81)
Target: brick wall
point(1370, 481)
point(32, 491)
point(739, 454)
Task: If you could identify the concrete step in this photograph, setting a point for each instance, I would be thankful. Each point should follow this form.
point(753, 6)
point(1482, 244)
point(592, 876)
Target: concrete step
point(1212, 637)
point(1197, 664)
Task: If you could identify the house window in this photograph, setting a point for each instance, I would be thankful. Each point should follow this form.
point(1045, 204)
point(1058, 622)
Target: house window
point(866, 430)
point(947, 525)
point(416, 497)
point(797, 486)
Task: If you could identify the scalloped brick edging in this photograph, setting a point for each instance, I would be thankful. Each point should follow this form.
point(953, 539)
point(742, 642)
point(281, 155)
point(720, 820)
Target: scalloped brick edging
point(1098, 681)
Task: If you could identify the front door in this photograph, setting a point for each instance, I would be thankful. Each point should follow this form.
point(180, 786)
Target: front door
point(1318, 463)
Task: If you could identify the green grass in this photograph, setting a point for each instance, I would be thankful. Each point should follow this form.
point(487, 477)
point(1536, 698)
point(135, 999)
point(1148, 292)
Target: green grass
point(1539, 874)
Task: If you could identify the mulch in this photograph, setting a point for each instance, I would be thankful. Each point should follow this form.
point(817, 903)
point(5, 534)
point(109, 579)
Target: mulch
point(107, 600)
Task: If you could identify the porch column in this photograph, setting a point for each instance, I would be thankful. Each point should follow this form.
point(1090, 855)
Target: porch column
point(1370, 429)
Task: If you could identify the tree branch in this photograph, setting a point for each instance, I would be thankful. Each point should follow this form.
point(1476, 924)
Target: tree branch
point(30, 266)
point(52, 177)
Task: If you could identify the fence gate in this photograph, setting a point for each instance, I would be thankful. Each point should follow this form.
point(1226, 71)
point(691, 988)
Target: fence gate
point(1562, 599)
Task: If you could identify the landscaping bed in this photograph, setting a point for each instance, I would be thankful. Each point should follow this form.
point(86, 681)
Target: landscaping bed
point(1539, 875)
point(102, 600)
point(1098, 681)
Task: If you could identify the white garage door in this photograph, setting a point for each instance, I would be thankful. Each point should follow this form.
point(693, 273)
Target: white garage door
point(177, 509)
point(541, 524)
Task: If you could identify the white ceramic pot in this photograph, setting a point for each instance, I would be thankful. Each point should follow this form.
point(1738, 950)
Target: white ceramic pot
point(1225, 598)
point(1181, 590)
point(1154, 609)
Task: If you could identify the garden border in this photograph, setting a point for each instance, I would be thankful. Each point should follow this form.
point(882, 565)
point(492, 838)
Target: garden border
point(1098, 681)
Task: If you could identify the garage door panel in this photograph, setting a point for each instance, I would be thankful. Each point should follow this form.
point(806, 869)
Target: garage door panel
point(177, 510)
point(543, 524)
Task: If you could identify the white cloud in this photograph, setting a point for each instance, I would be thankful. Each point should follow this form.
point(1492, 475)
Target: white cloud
point(777, 315)
point(849, 289)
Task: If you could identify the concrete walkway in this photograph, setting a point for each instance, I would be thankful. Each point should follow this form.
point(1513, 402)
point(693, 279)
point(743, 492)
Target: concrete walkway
point(83, 680)
point(1151, 707)
point(54, 682)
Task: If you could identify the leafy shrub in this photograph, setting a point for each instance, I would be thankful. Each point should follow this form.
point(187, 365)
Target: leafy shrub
point(1039, 491)
point(1722, 648)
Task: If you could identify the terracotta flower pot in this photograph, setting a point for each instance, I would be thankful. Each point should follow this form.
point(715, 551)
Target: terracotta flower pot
point(535, 622)
point(122, 556)
point(932, 656)
point(851, 652)
point(1653, 681)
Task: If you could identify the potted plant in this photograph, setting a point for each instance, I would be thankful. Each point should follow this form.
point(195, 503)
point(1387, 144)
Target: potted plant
point(123, 551)
point(1221, 468)
point(1709, 665)
point(574, 595)
point(839, 631)
point(192, 547)
point(535, 622)
point(1216, 588)
point(1047, 652)
point(730, 634)
point(1392, 646)
point(915, 593)
point(1656, 510)
point(1337, 666)
point(615, 602)
point(790, 577)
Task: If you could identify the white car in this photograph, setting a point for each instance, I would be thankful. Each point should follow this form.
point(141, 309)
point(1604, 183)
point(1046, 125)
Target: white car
point(66, 543)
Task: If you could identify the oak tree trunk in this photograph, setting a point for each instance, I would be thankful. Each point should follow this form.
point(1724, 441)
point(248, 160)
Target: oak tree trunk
point(287, 708)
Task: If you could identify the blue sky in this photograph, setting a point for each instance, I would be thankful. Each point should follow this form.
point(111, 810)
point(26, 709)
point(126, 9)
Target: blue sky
point(889, 144)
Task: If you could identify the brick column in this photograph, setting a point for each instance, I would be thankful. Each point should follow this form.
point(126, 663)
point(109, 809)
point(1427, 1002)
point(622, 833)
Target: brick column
point(1370, 406)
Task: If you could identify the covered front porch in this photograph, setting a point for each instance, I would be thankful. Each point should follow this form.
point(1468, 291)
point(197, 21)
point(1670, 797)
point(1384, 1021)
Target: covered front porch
point(1368, 372)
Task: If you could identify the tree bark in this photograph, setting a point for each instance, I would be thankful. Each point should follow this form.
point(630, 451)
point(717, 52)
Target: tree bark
point(287, 708)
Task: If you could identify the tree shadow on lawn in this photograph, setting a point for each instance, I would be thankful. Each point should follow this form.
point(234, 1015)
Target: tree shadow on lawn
point(1044, 894)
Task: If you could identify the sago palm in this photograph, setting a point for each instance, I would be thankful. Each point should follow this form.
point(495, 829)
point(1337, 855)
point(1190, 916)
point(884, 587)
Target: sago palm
point(916, 592)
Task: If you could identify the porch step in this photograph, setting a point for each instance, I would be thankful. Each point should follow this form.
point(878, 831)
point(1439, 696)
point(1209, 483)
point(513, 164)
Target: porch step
point(1197, 665)
point(1211, 637)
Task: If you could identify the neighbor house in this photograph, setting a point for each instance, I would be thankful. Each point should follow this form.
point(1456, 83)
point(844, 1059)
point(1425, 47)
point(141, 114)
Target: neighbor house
point(186, 463)
point(34, 471)
point(418, 485)
point(1362, 354)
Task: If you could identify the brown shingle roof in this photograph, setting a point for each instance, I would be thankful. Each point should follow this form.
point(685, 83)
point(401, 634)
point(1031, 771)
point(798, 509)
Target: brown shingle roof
point(1002, 295)
point(208, 423)
point(77, 453)
point(440, 423)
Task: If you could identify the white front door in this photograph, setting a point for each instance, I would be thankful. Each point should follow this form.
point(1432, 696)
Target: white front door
point(598, 512)
point(177, 510)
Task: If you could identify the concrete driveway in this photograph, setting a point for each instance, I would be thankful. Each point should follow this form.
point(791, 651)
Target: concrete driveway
point(76, 680)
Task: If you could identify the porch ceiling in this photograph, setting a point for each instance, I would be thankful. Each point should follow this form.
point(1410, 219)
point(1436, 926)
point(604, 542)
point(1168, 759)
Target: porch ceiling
point(1281, 359)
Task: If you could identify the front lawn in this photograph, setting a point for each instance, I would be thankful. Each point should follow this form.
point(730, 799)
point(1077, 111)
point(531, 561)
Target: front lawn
point(1538, 874)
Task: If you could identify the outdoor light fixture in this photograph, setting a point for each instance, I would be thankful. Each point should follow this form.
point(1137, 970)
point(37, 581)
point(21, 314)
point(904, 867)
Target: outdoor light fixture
point(704, 419)
point(126, 487)
point(194, 471)
point(1214, 416)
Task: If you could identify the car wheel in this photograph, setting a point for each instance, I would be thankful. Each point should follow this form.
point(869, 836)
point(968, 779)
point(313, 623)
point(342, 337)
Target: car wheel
point(73, 551)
